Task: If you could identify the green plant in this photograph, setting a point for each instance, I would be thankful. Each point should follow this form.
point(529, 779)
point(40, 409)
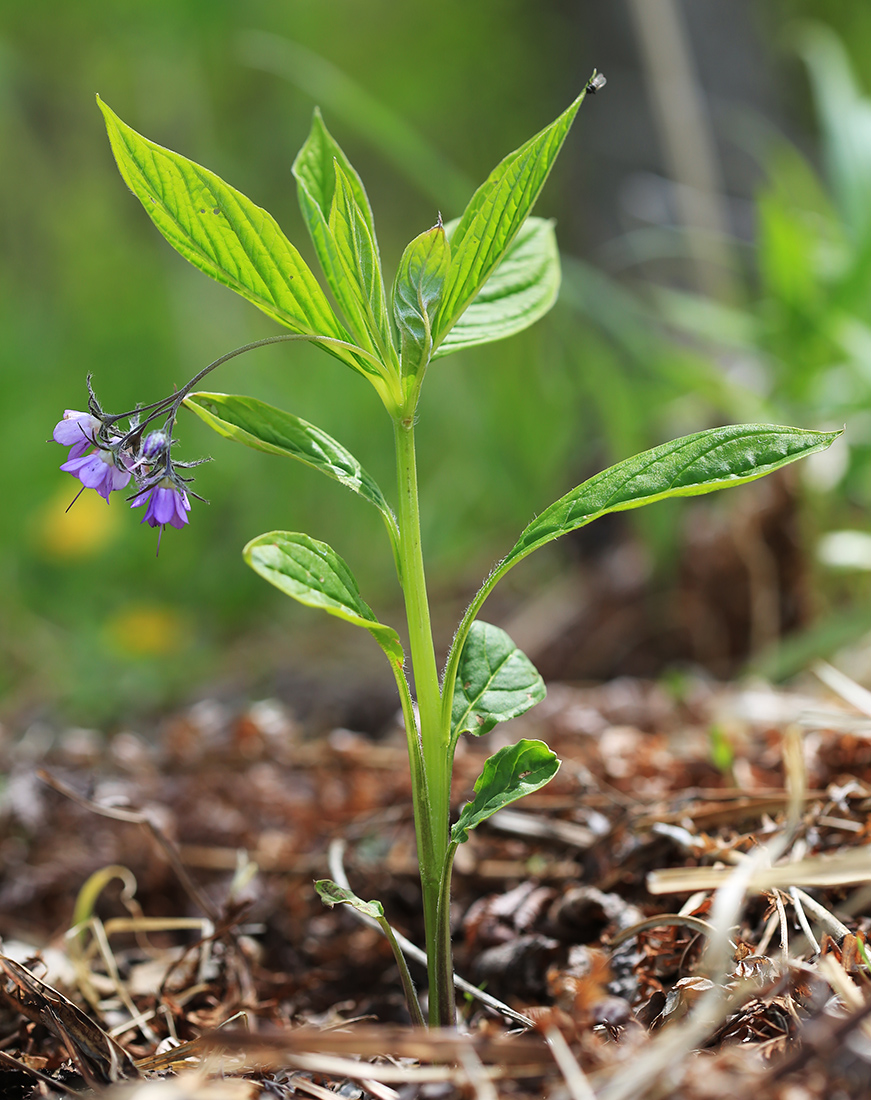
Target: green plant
point(485, 277)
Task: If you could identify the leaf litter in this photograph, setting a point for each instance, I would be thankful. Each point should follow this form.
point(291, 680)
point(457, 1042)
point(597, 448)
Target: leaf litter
point(682, 912)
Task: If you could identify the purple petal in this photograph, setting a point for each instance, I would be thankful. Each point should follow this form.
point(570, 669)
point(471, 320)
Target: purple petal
point(149, 511)
point(119, 478)
point(89, 469)
point(182, 506)
point(164, 505)
point(77, 430)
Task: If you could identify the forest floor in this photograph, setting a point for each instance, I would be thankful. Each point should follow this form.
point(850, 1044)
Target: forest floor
point(682, 912)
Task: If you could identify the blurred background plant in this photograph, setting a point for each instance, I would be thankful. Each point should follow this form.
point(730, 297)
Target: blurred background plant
point(730, 285)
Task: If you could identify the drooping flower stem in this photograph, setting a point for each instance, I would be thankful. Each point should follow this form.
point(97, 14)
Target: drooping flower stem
point(432, 803)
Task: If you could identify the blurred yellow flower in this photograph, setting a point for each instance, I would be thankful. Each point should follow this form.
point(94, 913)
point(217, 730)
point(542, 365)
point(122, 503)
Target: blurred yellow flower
point(148, 630)
point(85, 530)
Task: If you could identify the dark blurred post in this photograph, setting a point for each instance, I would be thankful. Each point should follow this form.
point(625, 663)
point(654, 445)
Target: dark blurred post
point(688, 145)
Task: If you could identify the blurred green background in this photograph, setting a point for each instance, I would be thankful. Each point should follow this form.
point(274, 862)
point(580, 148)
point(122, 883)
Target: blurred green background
point(735, 285)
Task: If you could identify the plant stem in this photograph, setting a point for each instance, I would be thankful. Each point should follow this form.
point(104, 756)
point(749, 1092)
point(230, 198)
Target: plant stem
point(404, 975)
point(431, 804)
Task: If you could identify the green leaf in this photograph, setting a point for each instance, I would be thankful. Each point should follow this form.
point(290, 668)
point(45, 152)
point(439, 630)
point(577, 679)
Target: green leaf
point(331, 894)
point(314, 574)
point(495, 682)
point(511, 773)
point(317, 166)
point(494, 215)
point(358, 255)
point(315, 172)
point(266, 428)
point(521, 290)
point(701, 463)
point(417, 292)
point(224, 234)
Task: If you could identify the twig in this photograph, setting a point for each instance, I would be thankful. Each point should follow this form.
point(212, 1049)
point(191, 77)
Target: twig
point(575, 1078)
point(826, 920)
point(784, 928)
point(482, 1086)
point(661, 921)
point(773, 922)
point(412, 951)
point(795, 894)
point(570, 833)
point(844, 686)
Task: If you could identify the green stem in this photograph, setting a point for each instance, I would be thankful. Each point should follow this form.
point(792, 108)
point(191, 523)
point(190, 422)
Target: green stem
point(443, 963)
point(432, 801)
point(404, 975)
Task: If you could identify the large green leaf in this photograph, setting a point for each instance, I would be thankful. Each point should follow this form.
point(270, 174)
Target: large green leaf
point(701, 463)
point(495, 214)
point(227, 236)
point(417, 292)
point(509, 774)
point(314, 574)
point(277, 432)
point(522, 289)
point(495, 681)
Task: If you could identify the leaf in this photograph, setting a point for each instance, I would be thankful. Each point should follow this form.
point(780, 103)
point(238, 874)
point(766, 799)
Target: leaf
point(358, 255)
point(494, 215)
point(315, 172)
point(495, 682)
point(331, 894)
point(269, 429)
point(521, 290)
point(509, 774)
point(224, 234)
point(316, 168)
point(314, 574)
point(417, 292)
point(701, 463)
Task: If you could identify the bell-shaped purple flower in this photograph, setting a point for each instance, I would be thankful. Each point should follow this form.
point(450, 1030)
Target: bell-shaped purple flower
point(97, 470)
point(77, 430)
point(166, 504)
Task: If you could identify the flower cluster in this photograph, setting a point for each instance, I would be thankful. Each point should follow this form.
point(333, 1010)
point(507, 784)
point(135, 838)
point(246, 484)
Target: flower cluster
point(106, 458)
point(99, 464)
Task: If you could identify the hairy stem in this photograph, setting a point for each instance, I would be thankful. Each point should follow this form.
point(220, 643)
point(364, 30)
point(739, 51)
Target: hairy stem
point(431, 803)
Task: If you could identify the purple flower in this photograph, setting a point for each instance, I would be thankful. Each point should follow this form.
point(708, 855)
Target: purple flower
point(166, 504)
point(97, 471)
point(77, 430)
